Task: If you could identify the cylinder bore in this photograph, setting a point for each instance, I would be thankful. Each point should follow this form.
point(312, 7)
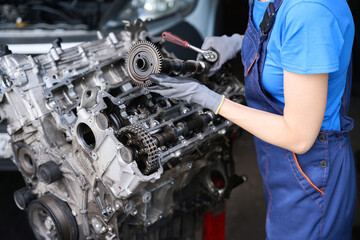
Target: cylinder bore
point(86, 136)
point(50, 218)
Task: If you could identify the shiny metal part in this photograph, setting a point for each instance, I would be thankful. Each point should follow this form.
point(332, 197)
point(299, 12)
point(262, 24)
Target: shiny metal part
point(208, 55)
point(143, 59)
point(112, 155)
point(142, 146)
point(51, 219)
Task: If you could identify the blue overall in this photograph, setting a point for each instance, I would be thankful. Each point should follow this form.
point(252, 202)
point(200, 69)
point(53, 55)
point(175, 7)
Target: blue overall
point(309, 196)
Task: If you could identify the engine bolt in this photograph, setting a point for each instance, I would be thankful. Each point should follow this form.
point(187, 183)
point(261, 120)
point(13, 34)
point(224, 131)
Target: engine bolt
point(146, 197)
point(134, 212)
point(49, 223)
point(117, 205)
point(97, 225)
point(129, 207)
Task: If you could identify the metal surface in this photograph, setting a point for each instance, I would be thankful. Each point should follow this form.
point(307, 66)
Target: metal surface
point(209, 55)
point(142, 146)
point(128, 159)
point(51, 219)
point(142, 60)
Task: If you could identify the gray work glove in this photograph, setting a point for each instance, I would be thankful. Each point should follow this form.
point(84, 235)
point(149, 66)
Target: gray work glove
point(186, 89)
point(226, 47)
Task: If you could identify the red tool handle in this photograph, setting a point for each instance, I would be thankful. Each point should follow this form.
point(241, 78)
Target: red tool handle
point(174, 39)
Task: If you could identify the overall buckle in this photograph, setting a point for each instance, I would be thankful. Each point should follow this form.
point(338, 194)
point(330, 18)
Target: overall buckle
point(268, 21)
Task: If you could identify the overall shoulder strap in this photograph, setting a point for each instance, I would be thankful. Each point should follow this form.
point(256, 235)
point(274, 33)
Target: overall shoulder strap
point(277, 4)
point(266, 29)
point(269, 18)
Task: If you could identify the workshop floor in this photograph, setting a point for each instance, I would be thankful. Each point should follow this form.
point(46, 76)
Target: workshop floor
point(245, 210)
point(245, 214)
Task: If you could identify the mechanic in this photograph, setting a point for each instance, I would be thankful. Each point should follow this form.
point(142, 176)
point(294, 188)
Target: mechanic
point(297, 59)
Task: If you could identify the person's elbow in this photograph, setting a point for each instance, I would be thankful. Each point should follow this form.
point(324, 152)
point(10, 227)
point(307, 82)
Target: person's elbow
point(302, 146)
point(302, 137)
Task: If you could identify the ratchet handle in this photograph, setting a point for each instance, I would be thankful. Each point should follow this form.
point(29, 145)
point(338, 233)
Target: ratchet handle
point(169, 37)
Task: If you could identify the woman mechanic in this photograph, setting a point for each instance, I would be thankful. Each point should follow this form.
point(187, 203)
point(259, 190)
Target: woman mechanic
point(297, 87)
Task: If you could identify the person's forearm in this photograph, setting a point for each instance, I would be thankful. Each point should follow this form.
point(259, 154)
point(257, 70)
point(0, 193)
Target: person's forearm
point(271, 128)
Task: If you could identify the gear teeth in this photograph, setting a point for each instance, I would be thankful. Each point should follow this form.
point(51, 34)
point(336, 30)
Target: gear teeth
point(147, 145)
point(141, 78)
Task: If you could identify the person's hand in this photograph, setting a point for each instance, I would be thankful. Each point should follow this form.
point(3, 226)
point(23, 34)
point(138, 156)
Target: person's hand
point(226, 47)
point(186, 89)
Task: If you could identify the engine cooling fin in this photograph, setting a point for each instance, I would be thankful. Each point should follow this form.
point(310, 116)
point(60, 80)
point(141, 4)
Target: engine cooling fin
point(142, 60)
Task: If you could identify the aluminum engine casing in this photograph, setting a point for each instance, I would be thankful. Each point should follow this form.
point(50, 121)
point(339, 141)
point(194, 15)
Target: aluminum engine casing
point(78, 109)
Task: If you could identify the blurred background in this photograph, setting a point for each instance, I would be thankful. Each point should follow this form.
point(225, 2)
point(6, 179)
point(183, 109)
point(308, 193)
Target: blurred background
point(30, 26)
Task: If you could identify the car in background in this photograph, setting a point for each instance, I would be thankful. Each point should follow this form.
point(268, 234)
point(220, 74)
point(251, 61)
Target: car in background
point(33, 27)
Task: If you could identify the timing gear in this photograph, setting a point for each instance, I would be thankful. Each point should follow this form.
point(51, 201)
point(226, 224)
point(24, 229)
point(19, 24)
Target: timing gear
point(143, 59)
point(143, 147)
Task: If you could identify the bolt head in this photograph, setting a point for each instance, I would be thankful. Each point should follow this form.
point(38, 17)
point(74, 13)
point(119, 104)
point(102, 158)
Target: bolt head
point(49, 223)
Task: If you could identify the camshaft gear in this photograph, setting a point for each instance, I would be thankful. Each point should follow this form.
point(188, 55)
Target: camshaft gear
point(143, 59)
point(143, 147)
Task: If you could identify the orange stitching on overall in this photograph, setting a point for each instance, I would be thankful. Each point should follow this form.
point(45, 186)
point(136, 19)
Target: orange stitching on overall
point(322, 217)
point(256, 56)
point(251, 65)
point(252, 74)
point(300, 182)
point(308, 179)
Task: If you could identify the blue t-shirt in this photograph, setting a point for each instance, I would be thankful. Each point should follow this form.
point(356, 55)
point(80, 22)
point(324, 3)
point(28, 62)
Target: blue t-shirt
point(309, 37)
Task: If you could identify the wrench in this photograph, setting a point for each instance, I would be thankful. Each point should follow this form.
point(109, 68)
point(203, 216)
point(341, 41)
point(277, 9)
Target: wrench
point(210, 56)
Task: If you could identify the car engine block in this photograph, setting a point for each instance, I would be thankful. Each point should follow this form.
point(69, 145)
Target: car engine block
point(102, 156)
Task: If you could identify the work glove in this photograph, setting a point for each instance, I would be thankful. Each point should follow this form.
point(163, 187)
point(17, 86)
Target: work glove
point(226, 47)
point(186, 89)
